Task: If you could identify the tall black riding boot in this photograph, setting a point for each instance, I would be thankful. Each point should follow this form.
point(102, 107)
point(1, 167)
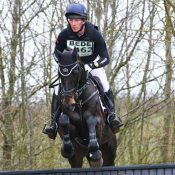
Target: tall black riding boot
point(114, 122)
point(55, 112)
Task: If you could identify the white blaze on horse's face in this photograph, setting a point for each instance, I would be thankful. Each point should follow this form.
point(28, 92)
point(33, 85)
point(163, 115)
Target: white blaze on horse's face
point(68, 103)
point(69, 100)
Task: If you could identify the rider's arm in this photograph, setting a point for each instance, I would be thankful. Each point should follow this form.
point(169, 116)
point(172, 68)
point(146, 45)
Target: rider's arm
point(101, 49)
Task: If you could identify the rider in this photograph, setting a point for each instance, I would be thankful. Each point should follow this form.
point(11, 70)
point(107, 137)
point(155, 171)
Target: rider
point(89, 43)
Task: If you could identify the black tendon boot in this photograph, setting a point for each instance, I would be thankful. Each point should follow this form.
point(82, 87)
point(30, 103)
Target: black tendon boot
point(114, 122)
point(51, 131)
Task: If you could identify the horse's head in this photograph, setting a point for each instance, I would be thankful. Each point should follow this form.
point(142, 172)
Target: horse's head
point(70, 72)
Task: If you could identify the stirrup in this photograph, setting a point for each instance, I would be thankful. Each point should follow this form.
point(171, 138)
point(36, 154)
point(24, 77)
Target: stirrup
point(50, 135)
point(115, 124)
point(111, 115)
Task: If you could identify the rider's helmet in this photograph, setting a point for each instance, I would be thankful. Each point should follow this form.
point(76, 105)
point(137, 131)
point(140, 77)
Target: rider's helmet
point(76, 10)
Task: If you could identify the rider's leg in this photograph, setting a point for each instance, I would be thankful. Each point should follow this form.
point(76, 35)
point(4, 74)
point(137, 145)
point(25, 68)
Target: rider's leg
point(51, 131)
point(114, 122)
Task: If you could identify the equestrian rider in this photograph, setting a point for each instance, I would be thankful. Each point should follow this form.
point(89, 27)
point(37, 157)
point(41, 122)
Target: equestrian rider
point(89, 43)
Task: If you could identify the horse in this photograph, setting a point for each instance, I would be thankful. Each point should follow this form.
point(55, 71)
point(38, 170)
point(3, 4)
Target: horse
point(82, 124)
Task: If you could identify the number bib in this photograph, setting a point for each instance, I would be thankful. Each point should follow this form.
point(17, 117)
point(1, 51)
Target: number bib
point(84, 48)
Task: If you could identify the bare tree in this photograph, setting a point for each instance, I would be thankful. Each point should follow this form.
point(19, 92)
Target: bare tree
point(139, 36)
point(8, 93)
point(168, 82)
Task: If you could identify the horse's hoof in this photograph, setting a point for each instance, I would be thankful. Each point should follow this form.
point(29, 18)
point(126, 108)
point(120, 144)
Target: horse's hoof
point(67, 151)
point(97, 163)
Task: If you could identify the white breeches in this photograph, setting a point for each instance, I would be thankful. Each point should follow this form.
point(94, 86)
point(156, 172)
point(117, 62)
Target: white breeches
point(100, 73)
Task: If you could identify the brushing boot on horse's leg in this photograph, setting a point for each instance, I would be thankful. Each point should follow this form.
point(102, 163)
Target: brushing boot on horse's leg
point(114, 122)
point(51, 131)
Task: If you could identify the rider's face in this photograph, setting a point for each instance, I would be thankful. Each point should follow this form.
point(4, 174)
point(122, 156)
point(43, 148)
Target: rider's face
point(76, 24)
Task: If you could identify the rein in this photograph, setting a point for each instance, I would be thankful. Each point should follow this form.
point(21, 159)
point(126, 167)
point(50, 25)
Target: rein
point(91, 96)
point(52, 85)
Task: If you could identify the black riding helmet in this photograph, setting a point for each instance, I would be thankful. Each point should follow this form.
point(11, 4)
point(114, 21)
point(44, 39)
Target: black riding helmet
point(76, 10)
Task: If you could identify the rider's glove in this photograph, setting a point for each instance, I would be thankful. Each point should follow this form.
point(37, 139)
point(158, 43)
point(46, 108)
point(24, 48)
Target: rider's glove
point(93, 65)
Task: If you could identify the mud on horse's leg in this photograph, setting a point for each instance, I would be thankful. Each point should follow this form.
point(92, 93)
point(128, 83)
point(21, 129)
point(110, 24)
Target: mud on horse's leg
point(67, 149)
point(93, 146)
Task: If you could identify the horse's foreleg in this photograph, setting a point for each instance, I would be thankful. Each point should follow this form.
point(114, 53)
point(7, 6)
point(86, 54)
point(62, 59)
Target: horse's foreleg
point(67, 149)
point(95, 156)
point(93, 143)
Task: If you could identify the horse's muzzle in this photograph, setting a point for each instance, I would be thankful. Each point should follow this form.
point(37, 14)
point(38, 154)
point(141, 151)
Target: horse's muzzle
point(69, 102)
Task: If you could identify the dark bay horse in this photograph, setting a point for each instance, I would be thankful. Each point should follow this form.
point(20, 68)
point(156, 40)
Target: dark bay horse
point(82, 124)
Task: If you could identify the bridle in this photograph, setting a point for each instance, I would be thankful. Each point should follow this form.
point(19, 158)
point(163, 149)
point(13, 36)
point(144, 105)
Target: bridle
point(65, 71)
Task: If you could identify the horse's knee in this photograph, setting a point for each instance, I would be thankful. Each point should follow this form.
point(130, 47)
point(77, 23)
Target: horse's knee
point(64, 120)
point(91, 121)
point(64, 124)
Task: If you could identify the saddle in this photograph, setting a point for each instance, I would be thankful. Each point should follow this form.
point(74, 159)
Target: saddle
point(102, 94)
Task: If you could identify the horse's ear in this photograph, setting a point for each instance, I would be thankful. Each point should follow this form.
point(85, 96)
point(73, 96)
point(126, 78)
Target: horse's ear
point(74, 53)
point(58, 54)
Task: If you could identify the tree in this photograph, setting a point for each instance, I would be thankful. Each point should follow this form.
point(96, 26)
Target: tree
point(139, 36)
point(168, 81)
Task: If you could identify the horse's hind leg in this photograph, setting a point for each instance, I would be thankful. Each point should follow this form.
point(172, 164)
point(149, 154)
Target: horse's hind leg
point(109, 152)
point(76, 161)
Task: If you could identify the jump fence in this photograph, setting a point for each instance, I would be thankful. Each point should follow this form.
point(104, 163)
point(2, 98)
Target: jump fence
point(152, 169)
